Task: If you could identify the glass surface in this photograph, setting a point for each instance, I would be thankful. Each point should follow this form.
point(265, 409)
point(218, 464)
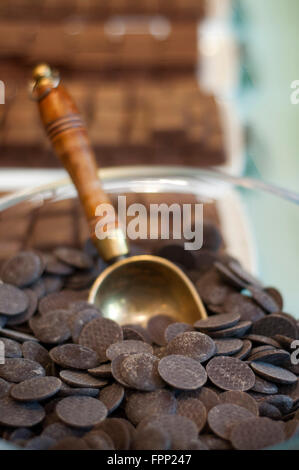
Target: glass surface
point(268, 33)
point(260, 224)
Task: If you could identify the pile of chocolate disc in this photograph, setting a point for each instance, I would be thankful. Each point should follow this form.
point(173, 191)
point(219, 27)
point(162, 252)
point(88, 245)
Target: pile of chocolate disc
point(73, 379)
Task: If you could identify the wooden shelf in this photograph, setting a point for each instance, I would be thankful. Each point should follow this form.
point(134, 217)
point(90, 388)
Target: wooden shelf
point(129, 122)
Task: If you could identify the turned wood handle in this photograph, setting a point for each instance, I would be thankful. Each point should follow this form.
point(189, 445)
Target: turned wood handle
point(68, 135)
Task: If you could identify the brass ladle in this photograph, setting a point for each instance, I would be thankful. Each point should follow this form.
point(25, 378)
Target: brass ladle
point(132, 289)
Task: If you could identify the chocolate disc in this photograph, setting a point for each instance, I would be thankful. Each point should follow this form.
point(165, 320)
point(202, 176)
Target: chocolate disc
point(292, 429)
point(140, 371)
point(217, 322)
point(245, 276)
point(4, 388)
point(36, 389)
point(240, 398)
point(236, 331)
point(18, 369)
point(263, 299)
point(28, 313)
point(284, 341)
point(177, 254)
point(229, 276)
point(140, 333)
point(15, 414)
point(267, 410)
point(193, 409)
point(259, 349)
point(17, 335)
point(58, 431)
point(142, 405)
point(98, 440)
point(274, 356)
point(57, 301)
point(175, 329)
point(112, 396)
point(215, 443)
point(276, 295)
point(102, 371)
point(152, 438)
point(68, 391)
point(283, 402)
point(39, 443)
point(23, 269)
point(181, 430)
point(81, 379)
point(245, 351)
point(182, 372)
point(265, 387)
point(156, 328)
point(81, 412)
point(36, 352)
point(197, 444)
point(228, 346)
point(39, 288)
point(229, 373)
point(223, 417)
point(274, 373)
point(291, 390)
point(212, 289)
point(117, 371)
point(52, 327)
point(80, 305)
point(264, 340)
point(99, 334)
point(207, 396)
point(52, 284)
point(12, 300)
point(56, 267)
point(193, 344)
point(245, 306)
point(256, 434)
point(132, 334)
point(128, 347)
point(73, 257)
point(3, 321)
point(74, 356)
point(21, 433)
point(70, 443)
point(12, 349)
point(118, 431)
point(274, 325)
point(80, 319)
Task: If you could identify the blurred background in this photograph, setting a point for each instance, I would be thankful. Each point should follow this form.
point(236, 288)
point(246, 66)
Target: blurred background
point(135, 69)
point(193, 82)
point(131, 67)
point(164, 82)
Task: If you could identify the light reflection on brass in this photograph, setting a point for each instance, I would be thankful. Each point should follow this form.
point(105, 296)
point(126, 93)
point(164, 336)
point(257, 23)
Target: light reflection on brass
point(137, 288)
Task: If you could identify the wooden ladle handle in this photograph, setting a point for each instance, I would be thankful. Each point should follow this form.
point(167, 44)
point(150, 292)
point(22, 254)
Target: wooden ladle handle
point(68, 135)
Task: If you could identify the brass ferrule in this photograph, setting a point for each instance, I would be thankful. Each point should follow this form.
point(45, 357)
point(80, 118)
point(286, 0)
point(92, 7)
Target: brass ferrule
point(113, 247)
point(44, 79)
